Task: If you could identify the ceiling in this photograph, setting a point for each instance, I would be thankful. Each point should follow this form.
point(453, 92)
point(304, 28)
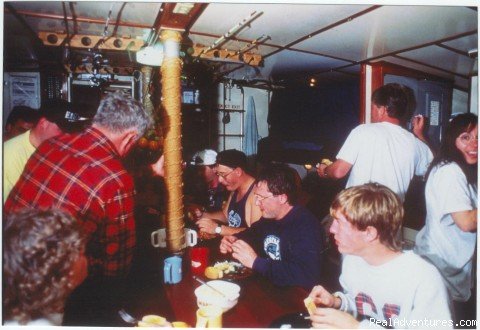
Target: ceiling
point(328, 42)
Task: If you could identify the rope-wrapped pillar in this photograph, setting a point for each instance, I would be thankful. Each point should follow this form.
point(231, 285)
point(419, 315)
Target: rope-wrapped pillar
point(172, 127)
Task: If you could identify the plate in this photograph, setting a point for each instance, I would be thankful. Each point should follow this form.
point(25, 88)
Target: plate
point(292, 320)
point(233, 270)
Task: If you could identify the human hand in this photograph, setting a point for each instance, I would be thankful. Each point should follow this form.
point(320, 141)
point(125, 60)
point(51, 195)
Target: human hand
point(418, 125)
point(322, 297)
point(321, 170)
point(158, 168)
point(226, 244)
point(244, 253)
point(330, 318)
point(207, 225)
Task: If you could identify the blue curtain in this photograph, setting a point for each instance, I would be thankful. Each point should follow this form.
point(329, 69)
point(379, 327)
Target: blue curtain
point(251, 129)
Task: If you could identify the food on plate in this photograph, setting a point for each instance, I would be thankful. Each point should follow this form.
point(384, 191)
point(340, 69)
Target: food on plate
point(213, 273)
point(311, 307)
point(225, 269)
point(154, 321)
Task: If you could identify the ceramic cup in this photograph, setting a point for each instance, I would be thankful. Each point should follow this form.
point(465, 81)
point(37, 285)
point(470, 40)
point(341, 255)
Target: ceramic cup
point(172, 270)
point(199, 258)
point(159, 238)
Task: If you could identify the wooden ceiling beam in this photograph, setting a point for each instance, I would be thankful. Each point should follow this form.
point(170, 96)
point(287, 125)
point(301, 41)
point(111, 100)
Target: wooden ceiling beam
point(89, 41)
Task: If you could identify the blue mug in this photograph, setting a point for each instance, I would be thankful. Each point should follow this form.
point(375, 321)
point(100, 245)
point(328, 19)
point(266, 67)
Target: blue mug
point(172, 270)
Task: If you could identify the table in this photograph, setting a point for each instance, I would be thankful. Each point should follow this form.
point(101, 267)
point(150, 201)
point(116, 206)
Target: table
point(259, 304)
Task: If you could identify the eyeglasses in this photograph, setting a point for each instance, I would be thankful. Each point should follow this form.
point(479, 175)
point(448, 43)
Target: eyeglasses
point(467, 138)
point(260, 198)
point(223, 175)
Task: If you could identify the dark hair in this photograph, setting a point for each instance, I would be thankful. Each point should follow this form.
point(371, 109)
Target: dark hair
point(399, 100)
point(280, 180)
point(449, 152)
point(24, 113)
point(39, 251)
point(232, 158)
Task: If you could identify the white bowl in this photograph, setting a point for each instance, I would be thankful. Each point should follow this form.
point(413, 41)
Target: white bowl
point(208, 297)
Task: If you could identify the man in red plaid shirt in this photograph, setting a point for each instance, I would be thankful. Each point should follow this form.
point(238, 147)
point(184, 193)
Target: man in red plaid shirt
point(83, 174)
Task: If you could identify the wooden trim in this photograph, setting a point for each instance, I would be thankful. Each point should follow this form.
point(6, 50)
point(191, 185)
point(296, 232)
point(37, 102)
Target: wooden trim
point(123, 43)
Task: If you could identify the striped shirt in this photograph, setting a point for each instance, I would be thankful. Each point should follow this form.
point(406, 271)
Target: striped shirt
point(83, 175)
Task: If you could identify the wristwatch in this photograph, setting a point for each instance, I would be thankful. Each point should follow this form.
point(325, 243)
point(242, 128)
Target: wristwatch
point(218, 229)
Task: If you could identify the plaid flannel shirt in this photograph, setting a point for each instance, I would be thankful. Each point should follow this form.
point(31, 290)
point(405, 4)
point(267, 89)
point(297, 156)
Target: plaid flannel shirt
point(83, 175)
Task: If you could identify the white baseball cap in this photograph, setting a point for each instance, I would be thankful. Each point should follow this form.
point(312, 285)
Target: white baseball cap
point(204, 157)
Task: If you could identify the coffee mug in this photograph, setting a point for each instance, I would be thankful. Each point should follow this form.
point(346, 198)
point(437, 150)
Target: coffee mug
point(199, 258)
point(209, 317)
point(172, 270)
point(159, 238)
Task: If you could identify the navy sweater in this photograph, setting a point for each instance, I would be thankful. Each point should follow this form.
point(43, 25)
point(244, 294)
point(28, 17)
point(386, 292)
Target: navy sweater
point(289, 250)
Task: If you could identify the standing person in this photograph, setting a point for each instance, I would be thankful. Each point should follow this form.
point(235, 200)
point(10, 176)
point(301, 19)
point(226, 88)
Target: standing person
point(383, 151)
point(83, 174)
point(52, 121)
point(240, 210)
point(449, 237)
point(43, 261)
point(382, 286)
point(210, 194)
point(285, 245)
point(19, 120)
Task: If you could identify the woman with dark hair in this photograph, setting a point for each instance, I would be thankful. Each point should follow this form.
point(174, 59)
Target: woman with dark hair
point(449, 237)
point(43, 261)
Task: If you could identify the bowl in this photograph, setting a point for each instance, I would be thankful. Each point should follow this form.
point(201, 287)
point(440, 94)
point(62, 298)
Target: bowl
point(208, 297)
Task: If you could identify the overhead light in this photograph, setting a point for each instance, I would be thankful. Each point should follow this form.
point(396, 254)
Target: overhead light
point(151, 55)
point(183, 8)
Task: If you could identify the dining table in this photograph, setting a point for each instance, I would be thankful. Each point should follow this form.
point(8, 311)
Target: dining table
point(260, 302)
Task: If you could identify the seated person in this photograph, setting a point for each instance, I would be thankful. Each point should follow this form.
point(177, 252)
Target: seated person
point(206, 193)
point(285, 245)
point(19, 120)
point(383, 286)
point(240, 211)
point(43, 261)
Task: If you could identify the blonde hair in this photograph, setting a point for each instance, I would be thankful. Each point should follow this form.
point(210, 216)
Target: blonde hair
point(374, 205)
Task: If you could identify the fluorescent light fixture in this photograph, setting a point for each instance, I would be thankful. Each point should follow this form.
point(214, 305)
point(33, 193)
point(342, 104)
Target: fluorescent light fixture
point(151, 55)
point(183, 8)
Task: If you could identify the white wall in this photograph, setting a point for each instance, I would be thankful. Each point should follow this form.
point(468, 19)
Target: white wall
point(235, 100)
point(459, 101)
point(474, 95)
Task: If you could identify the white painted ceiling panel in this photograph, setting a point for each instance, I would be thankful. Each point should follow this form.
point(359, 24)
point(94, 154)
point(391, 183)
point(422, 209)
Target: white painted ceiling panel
point(284, 23)
point(464, 44)
point(392, 28)
point(458, 81)
point(442, 58)
point(283, 63)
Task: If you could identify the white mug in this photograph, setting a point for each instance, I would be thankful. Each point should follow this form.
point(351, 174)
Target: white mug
point(159, 238)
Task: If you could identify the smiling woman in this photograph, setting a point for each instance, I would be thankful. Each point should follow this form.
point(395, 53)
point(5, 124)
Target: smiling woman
point(449, 238)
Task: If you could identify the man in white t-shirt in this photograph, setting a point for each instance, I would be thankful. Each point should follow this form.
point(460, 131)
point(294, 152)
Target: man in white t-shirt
point(383, 151)
point(382, 285)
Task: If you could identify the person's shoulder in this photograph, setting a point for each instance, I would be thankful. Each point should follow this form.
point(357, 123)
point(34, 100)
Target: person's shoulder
point(449, 169)
point(417, 265)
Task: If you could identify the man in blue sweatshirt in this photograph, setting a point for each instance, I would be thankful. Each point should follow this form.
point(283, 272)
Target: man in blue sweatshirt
point(285, 245)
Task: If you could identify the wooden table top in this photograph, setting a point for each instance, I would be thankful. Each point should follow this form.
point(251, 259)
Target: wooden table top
point(259, 304)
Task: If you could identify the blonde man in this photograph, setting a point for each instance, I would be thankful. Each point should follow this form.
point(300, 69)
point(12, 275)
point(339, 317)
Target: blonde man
point(383, 286)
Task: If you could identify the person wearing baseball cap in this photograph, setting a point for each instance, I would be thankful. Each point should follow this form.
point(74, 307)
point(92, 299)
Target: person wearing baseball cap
point(240, 211)
point(207, 193)
point(55, 117)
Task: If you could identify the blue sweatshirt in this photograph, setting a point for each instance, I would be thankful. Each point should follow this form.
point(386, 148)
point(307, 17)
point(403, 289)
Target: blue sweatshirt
point(289, 249)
